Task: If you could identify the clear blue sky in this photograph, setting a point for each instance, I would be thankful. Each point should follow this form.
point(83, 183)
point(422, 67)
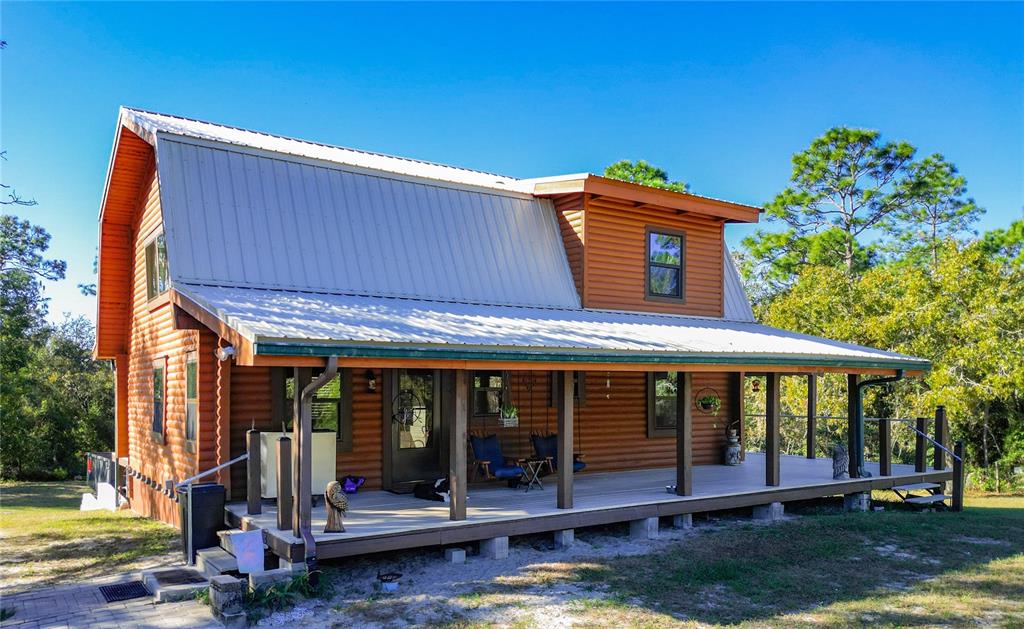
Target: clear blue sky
point(721, 95)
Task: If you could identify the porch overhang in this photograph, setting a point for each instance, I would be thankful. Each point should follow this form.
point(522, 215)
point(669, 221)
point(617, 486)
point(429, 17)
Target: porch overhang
point(276, 327)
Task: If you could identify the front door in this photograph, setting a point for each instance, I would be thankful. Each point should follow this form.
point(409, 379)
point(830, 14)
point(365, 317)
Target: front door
point(412, 428)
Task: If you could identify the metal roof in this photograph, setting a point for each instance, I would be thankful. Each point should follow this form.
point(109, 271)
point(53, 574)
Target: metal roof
point(261, 220)
point(294, 323)
point(150, 125)
point(735, 303)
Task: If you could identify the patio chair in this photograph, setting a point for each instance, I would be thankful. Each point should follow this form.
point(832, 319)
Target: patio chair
point(546, 447)
point(490, 462)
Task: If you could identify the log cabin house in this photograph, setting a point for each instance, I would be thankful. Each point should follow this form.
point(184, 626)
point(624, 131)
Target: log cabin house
point(380, 310)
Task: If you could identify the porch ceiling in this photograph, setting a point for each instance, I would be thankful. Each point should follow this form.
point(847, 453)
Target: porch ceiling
point(276, 323)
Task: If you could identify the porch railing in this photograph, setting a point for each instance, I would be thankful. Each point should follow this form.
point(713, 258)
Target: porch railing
point(922, 442)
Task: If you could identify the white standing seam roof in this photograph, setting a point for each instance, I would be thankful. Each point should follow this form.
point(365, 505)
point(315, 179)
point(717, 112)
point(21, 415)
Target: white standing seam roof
point(262, 220)
point(735, 303)
point(149, 126)
point(288, 322)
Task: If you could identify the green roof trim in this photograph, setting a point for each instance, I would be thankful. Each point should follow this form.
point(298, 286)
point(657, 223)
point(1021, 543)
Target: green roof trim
point(564, 356)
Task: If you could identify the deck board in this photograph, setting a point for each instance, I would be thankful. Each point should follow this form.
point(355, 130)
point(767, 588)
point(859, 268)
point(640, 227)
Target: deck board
point(599, 497)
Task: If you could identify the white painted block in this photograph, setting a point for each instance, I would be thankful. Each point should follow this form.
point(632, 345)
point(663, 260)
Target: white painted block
point(565, 538)
point(646, 528)
point(684, 521)
point(494, 548)
point(455, 555)
point(769, 512)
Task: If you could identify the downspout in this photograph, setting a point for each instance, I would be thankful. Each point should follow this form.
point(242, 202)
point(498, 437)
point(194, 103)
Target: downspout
point(305, 451)
point(859, 401)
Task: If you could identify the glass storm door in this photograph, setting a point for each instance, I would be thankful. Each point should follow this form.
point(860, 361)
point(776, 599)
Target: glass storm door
point(413, 413)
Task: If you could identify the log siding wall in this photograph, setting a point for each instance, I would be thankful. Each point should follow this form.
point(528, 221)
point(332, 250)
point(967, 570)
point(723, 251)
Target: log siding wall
point(152, 337)
point(614, 268)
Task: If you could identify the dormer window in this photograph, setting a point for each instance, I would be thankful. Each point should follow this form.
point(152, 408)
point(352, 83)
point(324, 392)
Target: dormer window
point(156, 267)
point(665, 267)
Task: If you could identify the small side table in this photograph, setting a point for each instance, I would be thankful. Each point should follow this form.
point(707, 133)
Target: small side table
point(531, 472)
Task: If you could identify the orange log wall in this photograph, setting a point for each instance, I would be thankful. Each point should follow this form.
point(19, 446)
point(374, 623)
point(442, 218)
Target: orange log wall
point(152, 337)
point(615, 266)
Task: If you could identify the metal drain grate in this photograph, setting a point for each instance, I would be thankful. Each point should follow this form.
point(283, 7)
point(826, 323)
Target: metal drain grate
point(123, 591)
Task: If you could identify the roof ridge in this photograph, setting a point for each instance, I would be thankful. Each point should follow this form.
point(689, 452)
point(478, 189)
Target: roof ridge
point(321, 144)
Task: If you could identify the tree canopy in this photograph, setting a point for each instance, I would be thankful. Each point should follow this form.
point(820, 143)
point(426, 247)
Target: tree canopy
point(644, 173)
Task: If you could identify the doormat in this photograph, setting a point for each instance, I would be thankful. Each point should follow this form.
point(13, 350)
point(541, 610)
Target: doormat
point(123, 591)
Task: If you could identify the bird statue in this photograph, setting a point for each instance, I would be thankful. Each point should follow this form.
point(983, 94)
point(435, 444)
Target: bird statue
point(337, 505)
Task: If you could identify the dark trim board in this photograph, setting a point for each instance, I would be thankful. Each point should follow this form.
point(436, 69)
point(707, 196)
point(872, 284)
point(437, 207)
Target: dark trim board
point(467, 531)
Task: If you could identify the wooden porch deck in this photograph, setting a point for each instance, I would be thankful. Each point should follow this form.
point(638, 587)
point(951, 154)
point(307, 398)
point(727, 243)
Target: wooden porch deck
point(379, 521)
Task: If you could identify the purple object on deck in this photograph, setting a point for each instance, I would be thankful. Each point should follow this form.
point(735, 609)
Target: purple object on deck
point(351, 484)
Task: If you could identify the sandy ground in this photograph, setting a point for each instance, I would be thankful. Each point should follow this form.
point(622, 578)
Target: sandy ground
point(526, 589)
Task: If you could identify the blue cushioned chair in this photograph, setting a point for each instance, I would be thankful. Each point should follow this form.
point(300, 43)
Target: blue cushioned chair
point(546, 447)
point(490, 462)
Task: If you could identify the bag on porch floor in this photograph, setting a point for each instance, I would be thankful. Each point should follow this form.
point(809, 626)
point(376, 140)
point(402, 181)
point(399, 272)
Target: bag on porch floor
point(436, 491)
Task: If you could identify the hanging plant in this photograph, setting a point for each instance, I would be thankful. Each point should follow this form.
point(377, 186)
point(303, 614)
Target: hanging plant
point(708, 401)
point(509, 416)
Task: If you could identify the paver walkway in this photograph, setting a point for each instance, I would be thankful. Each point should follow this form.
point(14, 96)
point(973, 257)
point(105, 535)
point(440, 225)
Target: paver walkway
point(82, 606)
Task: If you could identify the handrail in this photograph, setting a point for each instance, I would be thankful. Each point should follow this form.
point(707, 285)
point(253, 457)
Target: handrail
point(910, 423)
point(189, 481)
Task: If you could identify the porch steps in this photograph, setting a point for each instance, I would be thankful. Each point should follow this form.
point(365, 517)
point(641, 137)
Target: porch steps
point(926, 500)
point(225, 539)
point(215, 561)
point(173, 584)
point(917, 487)
point(933, 497)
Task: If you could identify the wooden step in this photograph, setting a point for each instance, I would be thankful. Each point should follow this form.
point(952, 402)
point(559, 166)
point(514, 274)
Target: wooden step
point(916, 487)
point(927, 500)
point(215, 561)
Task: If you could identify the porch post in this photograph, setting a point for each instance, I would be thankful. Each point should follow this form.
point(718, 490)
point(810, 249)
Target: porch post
point(565, 445)
point(812, 413)
point(457, 448)
point(684, 431)
point(884, 448)
point(773, 409)
point(301, 492)
point(941, 430)
point(737, 408)
point(253, 469)
point(854, 418)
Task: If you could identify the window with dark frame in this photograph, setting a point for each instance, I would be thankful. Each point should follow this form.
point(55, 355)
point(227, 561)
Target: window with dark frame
point(579, 388)
point(488, 393)
point(156, 267)
point(331, 408)
point(191, 397)
point(665, 268)
point(662, 403)
point(159, 396)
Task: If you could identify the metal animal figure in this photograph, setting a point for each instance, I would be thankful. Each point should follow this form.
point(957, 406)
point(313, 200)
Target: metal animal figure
point(840, 462)
point(336, 503)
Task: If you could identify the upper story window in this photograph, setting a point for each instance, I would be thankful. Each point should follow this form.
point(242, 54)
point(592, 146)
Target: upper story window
point(665, 267)
point(156, 267)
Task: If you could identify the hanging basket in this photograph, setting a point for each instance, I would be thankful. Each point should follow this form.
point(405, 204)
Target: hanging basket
point(708, 401)
point(509, 422)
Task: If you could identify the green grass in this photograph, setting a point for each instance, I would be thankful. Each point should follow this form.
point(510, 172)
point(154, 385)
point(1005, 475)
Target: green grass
point(895, 568)
point(48, 541)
